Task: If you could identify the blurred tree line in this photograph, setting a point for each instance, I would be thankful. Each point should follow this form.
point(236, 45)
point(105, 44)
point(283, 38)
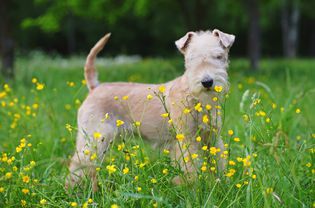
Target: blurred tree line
point(269, 28)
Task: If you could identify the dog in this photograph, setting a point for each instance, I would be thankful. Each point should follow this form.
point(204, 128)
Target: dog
point(111, 108)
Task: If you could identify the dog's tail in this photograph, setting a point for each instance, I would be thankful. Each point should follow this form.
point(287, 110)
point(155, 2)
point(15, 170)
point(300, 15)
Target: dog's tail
point(89, 68)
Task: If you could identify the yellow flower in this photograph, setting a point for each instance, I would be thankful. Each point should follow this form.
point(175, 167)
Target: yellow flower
point(218, 88)
point(308, 165)
point(23, 203)
point(298, 111)
point(97, 169)
point(39, 86)
point(164, 115)
point(18, 149)
point(116, 98)
point(34, 80)
point(205, 119)
point(97, 135)
point(149, 97)
point(166, 151)
point(93, 156)
point(268, 120)
point(26, 179)
point(73, 204)
point(125, 170)
point(230, 132)
point(25, 191)
point(238, 185)
point(204, 148)
point(33, 163)
point(208, 107)
point(230, 173)
point(198, 107)
point(180, 137)
point(90, 201)
point(136, 178)
point(203, 168)
point(236, 139)
point(214, 150)
point(274, 106)
point(186, 111)
point(111, 169)
point(126, 97)
point(86, 152)
point(119, 123)
point(153, 180)
point(139, 189)
point(269, 190)
point(1, 189)
point(137, 123)
point(215, 99)
point(170, 121)
point(165, 171)
point(212, 169)
point(162, 88)
point(194, 156)
point(198, 139)
point(114, 206)
point(8, 175)
point(231, 162)
point(254, 176)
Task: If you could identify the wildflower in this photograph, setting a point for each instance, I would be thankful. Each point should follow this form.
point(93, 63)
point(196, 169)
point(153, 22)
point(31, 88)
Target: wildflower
point(18, 149)
point(1, 189)
point(198, 107)
point(236, 139)
point(119, 123)
point(308, 165)
point(33, 163)
point(186, 159)
point(164, 115)
point(162, 89)
point(180, 137)
point(114, 206)
point(170, 121)
point(208, 107)
point(205, 119)
point(230, 132)
point(212, 169)
point(83, 82)
point(254, 176)
point(86, 152)
point(25, 191)
point(245, 182)
point(186, 111)
point(245, 118)
point(149, 97)
point(136, 178)
point(116, 98)
point(218, 88)
point(23, 203)
point(153, 180)
point(215, 99)
point(165, 171)
point(274, 106)
point(125, 97)
point(298, 111)
point(268, 120)
point(269, 190)
point(204, 148)
point(231, 162)
point(90, 201)
point(139, 189)
point(203, 168)
point(111, 169)
point(230, 173)
point(166, 151)
point(97, 169)
point(120, 146)
point(137, 123)
point(93, 156)
point(125, 170)
point(26, 179)
point(34, 80)
point(73, 204)
point(198, 139)
point(238, 185)
point(214, 150)
point(39, 86)
point(8, 175)
point(194, 156)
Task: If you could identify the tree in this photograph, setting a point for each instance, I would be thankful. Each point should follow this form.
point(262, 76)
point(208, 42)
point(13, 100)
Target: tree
point(254, 33)
point(290, 16)
point(6, 41)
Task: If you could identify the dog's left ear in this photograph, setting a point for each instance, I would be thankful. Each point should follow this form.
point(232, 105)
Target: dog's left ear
point(226, 40)
point(183, 43)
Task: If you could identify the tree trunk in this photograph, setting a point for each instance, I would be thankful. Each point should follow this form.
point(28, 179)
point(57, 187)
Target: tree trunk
point(290, 16)
point(6, 42)
point(312, 38)
point(71, 41)
point(254, 33)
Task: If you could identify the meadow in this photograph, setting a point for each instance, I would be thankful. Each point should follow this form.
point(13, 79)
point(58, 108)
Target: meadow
point(268, 131)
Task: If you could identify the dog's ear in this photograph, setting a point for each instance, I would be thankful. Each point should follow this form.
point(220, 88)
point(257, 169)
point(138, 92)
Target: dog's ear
point(183, 42)
point(226, 40)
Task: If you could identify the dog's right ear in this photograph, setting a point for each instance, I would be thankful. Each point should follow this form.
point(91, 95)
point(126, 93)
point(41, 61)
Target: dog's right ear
point(183, 43)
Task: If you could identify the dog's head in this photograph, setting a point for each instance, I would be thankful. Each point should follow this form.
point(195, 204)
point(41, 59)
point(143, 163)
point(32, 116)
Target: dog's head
point(206, 59)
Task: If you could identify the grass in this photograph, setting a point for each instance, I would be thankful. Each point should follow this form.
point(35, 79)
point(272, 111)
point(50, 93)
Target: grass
point(271, 111)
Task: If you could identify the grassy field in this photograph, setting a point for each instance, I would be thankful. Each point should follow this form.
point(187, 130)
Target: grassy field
point(271, 165)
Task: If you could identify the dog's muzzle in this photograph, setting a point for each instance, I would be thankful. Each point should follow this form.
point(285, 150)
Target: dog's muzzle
point(207, 83)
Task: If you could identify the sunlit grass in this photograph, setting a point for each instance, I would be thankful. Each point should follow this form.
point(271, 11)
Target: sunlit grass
point(269, 132)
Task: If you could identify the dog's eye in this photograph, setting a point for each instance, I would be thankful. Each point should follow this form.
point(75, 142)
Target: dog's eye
point(219, 57)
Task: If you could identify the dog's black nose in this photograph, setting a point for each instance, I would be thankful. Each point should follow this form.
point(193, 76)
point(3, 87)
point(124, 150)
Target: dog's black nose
point(207, 83)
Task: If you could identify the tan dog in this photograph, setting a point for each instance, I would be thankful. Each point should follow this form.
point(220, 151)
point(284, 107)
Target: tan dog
point(206, 62)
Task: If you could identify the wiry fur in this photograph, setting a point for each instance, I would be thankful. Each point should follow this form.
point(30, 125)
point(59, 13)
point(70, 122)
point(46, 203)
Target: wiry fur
point(206, 55)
